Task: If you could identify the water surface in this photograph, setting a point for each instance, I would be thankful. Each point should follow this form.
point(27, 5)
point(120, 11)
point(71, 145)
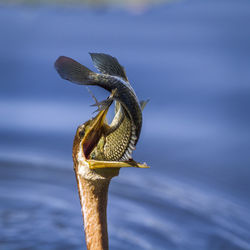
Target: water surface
point(191, 58)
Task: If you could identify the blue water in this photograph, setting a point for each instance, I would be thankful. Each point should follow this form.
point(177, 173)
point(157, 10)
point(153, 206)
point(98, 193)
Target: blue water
point(191, 59)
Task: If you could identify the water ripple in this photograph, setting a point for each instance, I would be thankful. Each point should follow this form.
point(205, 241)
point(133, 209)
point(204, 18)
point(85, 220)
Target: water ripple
point(146, 211)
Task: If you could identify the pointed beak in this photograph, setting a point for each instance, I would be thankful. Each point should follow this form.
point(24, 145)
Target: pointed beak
point(94, 132)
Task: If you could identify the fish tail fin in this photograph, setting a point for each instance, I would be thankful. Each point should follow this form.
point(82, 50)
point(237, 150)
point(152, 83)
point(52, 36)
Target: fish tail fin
point(73, 71)
point(107, 64)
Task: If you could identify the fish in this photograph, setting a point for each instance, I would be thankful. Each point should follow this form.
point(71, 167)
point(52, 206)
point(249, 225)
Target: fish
point(115, 141)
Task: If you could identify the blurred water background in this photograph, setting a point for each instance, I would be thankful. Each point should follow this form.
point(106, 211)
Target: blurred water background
point(192, 60)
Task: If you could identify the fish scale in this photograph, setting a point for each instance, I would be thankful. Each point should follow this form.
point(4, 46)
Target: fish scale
point(118, 141)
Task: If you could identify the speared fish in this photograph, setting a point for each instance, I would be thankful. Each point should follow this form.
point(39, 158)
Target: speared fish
point(103, 142)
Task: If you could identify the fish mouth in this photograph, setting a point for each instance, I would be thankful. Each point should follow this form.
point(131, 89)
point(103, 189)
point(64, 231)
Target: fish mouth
point(94, 130)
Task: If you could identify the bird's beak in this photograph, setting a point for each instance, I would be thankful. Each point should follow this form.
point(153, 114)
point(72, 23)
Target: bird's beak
point(93, 131)
point(93, 164)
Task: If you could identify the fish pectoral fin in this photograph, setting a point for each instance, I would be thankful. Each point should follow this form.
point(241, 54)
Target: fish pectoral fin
point(107, 64)
point(94, 164)
point(97, 104)
point(143, 104)
point(102, 105)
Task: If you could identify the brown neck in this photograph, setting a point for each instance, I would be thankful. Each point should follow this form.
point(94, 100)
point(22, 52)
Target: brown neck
point(93, 198)
point(93, 192)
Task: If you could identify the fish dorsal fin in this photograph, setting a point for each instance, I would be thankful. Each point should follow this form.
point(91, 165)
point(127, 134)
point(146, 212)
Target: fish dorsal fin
point(143, 104)
point(107, 64)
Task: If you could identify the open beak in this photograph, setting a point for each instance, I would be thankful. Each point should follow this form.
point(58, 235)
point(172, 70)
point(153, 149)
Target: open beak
point(94, 131)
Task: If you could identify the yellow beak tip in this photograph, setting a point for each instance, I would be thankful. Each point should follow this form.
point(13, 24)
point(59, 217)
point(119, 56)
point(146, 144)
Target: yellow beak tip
point(94, 164)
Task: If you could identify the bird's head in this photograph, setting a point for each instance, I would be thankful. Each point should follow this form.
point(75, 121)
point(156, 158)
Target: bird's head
point(88, 134)
point(86, 140)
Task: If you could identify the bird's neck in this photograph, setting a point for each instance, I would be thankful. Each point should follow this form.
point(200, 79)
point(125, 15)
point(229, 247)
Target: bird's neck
point(93, 192)
point(93, 197)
